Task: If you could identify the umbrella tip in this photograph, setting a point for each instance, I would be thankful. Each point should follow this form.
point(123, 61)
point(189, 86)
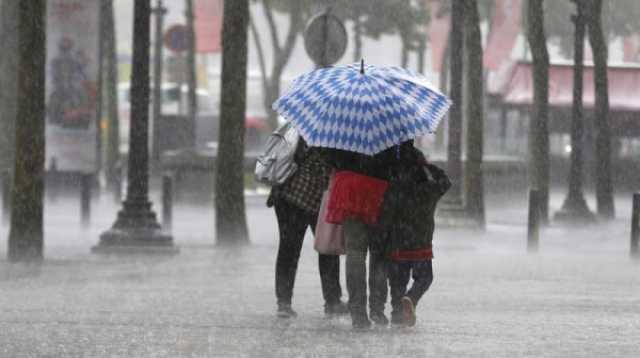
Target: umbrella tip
point(362, 66)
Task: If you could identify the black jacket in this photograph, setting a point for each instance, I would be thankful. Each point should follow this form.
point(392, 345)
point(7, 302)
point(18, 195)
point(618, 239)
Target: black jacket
point(407, 214)
point(380, 166)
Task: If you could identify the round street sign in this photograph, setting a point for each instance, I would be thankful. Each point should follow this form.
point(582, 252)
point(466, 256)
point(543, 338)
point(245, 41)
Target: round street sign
point(325, 39)
point(176, 38)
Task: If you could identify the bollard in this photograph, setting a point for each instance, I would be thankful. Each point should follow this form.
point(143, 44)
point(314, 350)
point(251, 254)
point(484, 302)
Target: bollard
point(117, 186)
point(85, 199)
point(533, 233)
point(167, 202)
point(635, 226)
point(6, 195)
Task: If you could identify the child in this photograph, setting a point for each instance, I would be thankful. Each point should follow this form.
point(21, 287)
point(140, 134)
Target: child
point(408, 223)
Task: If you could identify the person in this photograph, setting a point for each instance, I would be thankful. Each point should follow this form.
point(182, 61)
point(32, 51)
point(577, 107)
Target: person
point(359, 185)
point(408, 234)
point(297, 203)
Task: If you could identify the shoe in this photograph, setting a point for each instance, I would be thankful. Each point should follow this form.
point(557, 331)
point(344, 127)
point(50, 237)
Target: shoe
point(408, 311)
point(336, 309)
point(396, 318)
point(285, 311)
point(379, 318)
point(360, 322)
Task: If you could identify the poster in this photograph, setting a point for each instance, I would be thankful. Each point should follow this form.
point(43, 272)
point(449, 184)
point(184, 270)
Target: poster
point(73, 30)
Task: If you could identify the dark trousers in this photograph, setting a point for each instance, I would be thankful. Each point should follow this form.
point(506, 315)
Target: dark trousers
point(358, 242)
point(293, 223)
point(378, 276)
point(399, 275)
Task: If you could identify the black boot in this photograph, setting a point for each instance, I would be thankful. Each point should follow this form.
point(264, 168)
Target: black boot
point(335, 309)
point(360, 322)
point(285, 311)
point(378, 317)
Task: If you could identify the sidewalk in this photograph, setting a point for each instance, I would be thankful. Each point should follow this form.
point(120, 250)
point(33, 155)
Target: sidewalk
point(577, 297)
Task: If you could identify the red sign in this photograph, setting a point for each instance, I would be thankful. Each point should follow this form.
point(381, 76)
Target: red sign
point(208, 25)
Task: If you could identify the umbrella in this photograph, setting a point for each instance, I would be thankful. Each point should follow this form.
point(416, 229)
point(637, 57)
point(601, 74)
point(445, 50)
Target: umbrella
point(363, 109)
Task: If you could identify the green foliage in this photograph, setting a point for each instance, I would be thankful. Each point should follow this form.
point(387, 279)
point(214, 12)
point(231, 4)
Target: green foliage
point(402, 17)
point(620, 18)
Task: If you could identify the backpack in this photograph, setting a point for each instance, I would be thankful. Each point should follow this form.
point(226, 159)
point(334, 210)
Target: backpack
point(276, 164)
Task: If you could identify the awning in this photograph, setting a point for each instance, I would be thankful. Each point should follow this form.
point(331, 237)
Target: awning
point(517, 88)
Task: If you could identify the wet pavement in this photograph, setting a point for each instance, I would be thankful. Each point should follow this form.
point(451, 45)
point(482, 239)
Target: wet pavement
point(579, 296)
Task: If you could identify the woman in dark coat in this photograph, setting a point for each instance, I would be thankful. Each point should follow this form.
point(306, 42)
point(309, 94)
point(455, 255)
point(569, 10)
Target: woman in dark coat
point(297, 203)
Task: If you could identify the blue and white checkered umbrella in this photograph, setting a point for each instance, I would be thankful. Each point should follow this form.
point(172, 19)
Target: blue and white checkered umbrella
point(362, 109)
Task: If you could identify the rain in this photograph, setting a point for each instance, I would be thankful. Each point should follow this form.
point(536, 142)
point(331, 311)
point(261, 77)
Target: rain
point(319, 178)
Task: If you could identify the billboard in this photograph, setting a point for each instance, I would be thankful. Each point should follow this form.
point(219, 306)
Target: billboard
point(208, 25)
point(73, 31)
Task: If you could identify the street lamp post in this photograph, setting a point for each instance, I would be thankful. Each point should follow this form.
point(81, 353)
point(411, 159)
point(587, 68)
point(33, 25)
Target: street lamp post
point(575, 206)
point(136, 228)
point(159, 11)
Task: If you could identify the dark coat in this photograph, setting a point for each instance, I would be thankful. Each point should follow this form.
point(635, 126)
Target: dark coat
point(407, 215)
point(380, 166)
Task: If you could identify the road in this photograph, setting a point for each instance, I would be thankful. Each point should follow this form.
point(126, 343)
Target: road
point(577, 297)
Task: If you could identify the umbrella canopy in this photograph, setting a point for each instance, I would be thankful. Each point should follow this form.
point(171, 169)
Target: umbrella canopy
point(363, 109)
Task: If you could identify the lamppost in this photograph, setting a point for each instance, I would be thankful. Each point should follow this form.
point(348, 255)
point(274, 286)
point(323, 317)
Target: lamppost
point(575, 206)
point(136, 228)
point(192, 81)
point(159, 12)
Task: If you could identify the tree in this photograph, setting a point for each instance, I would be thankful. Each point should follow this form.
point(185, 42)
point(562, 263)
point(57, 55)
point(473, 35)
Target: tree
point(604, 184)
point(231, 222)
point(356, 12)
point(26, 233)
point(281, 50)
point(454, 150)
point(619, 18)
point(539, 132)
point(475, 114)
point(402, 17)
point(9, 35)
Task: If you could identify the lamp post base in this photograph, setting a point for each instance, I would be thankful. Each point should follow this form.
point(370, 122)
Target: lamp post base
point(136, 231)
point(575, 211)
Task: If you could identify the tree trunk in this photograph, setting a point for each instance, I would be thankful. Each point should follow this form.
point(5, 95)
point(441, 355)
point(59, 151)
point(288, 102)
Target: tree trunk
point(8, 80)
point(538, 131)
point(111, 87)
point(231, 222)
point(26, 233)
point(454, 152)
point(604, 182)
point(444, 88)
point(281, 54)
point(475, 115)
point(404, 56)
